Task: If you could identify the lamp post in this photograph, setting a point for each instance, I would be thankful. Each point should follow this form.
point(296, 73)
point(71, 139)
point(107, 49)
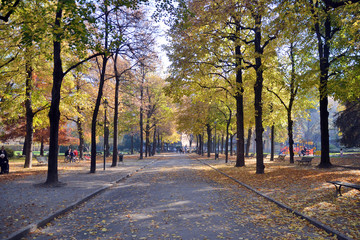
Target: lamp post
point(105, 107)
point(215, 140)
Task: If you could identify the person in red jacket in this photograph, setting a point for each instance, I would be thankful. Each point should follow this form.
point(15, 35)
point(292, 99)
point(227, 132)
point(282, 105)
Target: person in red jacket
point(75, 152)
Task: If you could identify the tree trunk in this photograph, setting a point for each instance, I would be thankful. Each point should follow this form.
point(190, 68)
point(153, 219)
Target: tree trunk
point(291, 138)
point(147, 138)
point(141, 150)
point(141, 121)
point(272, 142)
point(291, 103)
point(132, 144)
point(198, 144)
point(258, 97)
point(24, 148)
point(248, 143)
point(54, 113)
point(227, 141)
point(202, 144)
point(116, 113)
point(154, 142)
point(95, 115)
point(107, 134)
point(81, 137)
point(222, 144)
point(79, 124)
point(29, 115)
point(324, 53)
point(42, 146)
point(99, 96)
point(208, 130)
point(158, 141)
point(240, 158)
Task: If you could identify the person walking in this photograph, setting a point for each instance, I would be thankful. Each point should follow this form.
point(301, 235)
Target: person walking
point(4, 161)
point(68, 154)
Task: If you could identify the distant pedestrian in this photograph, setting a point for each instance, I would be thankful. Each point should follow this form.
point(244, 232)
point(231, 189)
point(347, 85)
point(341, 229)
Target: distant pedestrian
point(341, 152)
point(303, 152)
point(72, 156)
point(4, 161)
point(67, 153)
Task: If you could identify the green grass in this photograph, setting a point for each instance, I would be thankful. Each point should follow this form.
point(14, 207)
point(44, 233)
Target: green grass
point(17, 159)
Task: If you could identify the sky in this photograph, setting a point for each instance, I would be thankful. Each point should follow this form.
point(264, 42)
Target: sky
point(160, 38)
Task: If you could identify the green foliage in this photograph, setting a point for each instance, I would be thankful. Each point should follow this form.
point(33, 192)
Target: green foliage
point(10, 152)
point(348, 122)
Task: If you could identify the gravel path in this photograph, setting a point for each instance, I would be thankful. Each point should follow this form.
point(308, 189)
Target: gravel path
point(23, 202)
point(171, 199)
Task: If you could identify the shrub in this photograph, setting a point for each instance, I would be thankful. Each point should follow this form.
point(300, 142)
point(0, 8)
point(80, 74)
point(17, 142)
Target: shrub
point(10, 152)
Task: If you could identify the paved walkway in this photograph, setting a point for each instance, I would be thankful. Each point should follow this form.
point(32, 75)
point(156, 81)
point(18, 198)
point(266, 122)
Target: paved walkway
point(169, 199)
point(23, 203)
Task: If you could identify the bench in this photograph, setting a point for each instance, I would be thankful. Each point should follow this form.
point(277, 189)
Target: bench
point(42, 159)
point(305, 160)
point(281, 157)
point(339, 184)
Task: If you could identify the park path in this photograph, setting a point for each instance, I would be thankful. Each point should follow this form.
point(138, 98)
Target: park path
point(172, 199)
point(23, 203)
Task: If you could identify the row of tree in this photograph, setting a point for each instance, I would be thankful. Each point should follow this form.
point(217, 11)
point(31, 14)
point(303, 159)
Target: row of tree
point(263, 62)
point(64, 59)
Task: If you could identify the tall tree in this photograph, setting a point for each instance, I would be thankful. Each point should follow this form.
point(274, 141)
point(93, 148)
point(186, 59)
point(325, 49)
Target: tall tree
point(258, 11)
point(218, 47)
point(294, 89)
point(123, 18)
point(116, 113)
point(62, 7)
point(23, 52)
point(141, 115)
point(105, 28)
point(327, 24)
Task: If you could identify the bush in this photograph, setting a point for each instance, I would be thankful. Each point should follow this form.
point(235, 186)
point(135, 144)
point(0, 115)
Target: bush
point(10, 152)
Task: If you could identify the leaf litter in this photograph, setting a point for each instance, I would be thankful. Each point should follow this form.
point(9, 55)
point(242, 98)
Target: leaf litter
point(304, 189)
point(129, 218)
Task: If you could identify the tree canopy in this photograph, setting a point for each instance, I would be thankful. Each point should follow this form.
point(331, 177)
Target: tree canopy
point(236, 66)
